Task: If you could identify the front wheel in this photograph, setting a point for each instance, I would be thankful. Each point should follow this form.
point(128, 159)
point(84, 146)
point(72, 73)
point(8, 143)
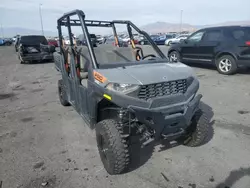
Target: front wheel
point(113, 148)
point(198, 130)
point(226, 64)
point(174, 56)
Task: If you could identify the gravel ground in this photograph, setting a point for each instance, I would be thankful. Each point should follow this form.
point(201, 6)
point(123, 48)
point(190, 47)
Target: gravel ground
point(43, 144)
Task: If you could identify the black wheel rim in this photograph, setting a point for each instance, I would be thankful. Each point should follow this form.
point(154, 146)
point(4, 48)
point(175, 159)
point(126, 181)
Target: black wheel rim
point(173, 57)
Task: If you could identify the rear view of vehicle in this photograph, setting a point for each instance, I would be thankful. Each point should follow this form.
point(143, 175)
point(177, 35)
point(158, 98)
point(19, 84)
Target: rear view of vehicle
point(241, 54)
point(34, 48)
point(93, 39)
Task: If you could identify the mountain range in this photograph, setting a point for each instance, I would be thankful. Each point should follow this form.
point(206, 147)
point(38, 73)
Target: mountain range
point(161, 27)
point(156, 27)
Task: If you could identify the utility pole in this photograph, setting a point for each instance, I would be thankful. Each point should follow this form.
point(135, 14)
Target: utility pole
point(181, 22)
point(41, 18)
point(2, 33)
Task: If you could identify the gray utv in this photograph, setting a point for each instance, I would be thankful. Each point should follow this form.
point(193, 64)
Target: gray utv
point(122, 91)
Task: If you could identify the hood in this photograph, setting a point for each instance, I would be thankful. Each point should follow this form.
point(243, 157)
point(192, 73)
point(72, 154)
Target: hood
point(148, 73)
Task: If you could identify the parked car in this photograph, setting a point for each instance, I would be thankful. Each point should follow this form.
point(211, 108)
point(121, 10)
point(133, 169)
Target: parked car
point(53, 42)
point(144, 41)
point(111, 40)
point(228, 48)
point(5, 42)
point(175, 40)
point(99, 39)
point(66, 40)
point(93, 39)
point(34, 48)
point(125, 38)
point(160, 40)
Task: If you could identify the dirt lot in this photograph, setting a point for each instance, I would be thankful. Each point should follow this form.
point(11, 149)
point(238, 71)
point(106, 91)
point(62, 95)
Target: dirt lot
point(43, 144)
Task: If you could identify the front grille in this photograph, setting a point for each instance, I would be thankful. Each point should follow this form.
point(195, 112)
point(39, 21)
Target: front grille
point(162, 89)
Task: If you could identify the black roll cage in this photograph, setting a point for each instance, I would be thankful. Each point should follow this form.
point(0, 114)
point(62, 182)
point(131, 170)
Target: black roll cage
point(67, 22)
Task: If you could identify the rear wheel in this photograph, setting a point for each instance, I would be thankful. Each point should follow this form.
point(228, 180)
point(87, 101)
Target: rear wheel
point(113, 148)
point(62, 94)
point(226, 64)
point(174, 56)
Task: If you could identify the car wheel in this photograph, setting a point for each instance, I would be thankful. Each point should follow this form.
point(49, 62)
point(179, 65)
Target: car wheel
point(174, 56)
point(113, 148)
point(198, 130)
point(169, 43)
point(226, 64)
point(62, 94)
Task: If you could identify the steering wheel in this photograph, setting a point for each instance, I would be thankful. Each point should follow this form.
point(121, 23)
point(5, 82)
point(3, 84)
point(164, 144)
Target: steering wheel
point(147, 56)
point(139, 54)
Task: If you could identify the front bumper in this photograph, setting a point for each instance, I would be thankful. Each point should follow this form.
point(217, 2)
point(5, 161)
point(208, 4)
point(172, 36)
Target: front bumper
point(165, 115)
point(244, 63)
point(170, 119)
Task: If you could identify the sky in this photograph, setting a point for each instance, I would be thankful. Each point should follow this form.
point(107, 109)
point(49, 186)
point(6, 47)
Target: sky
point(25, 13)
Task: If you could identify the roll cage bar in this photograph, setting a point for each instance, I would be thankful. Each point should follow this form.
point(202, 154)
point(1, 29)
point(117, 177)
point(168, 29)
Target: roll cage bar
point(67, 22)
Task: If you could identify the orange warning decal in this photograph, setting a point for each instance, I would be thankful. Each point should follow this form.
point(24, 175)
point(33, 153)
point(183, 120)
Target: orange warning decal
point(99, 77)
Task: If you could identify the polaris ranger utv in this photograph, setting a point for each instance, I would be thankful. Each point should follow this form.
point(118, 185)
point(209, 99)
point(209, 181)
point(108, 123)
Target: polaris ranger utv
point(123, 92)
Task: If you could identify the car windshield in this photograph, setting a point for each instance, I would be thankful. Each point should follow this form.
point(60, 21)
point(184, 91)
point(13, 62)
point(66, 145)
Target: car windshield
point(33, 40)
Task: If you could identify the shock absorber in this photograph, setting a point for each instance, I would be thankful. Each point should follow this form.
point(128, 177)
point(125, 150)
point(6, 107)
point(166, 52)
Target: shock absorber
point(122, 120)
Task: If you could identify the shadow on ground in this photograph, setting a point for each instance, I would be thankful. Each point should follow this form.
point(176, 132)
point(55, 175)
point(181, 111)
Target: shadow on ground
point(38, 62)
point(233, 177)
point(140, 156)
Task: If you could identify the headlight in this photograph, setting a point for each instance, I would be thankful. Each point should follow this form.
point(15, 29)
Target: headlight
point(124, 88)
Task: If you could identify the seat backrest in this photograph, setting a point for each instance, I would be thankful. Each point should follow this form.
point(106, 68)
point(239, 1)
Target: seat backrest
point(124, 54)
point(84, 58)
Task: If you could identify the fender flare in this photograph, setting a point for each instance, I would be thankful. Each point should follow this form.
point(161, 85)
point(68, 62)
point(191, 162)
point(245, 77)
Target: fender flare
point(218, 55)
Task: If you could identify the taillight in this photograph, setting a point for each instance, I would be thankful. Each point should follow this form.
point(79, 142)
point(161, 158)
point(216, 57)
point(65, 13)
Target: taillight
point(248, 43)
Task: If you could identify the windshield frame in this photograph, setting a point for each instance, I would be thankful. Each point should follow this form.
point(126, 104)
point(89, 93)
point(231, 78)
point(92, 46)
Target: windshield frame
point(66, 21)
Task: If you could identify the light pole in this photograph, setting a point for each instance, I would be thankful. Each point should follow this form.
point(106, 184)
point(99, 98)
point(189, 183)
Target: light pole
point(2, 33)
point(181, 22)
point(41, 18)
